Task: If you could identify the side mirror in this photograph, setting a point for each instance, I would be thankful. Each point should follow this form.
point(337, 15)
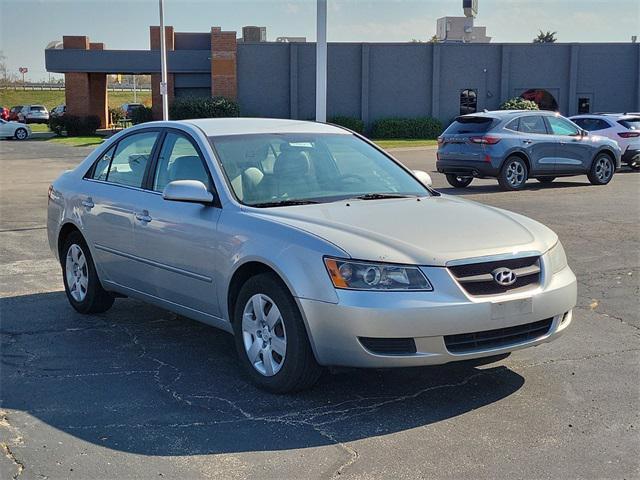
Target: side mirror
point(424, 177)
point(193, 191)
point(584, 133)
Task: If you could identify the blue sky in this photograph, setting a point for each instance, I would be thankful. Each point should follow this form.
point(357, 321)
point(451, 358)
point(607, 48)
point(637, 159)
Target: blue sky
point(26, 26)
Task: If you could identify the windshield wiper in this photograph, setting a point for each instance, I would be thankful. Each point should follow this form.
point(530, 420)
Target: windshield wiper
point(379, 196)
point(283, 203)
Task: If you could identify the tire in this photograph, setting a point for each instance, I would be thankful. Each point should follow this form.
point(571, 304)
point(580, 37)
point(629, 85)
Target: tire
point(513, 174)
point(21, 134)
point(86, 296)
point(458, 181)
point(292, 365)
point(602, 169)
point(546, 179)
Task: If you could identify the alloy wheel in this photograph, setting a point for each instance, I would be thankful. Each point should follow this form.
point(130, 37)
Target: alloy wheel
point(77, 273)
point(515, 174)
point(264, 335)
point(603, 169)
point(21, 134)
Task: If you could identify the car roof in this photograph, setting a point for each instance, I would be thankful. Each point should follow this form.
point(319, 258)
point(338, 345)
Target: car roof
point(506, 114)
point(244, 126)
point(612, 116)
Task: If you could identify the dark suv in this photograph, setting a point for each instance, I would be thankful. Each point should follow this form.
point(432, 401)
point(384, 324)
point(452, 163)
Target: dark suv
point(514, 145)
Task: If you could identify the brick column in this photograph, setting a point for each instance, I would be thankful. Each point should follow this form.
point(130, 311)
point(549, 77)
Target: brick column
point(154, 43)
point(224, 81)
point(85, 93)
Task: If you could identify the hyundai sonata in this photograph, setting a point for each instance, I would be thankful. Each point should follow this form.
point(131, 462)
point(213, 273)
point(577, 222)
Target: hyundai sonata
point(308, 243)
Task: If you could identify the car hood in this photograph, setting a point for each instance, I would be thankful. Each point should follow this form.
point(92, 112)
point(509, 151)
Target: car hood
point(429, 231)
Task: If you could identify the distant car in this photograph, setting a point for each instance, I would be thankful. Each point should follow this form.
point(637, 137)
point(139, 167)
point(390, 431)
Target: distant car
point(33, 114)
point(4, 113)
point(58, 111)
point(13, 113)
point(128, 108)
point(624, 128)
point(16, 130)
point(515, 145)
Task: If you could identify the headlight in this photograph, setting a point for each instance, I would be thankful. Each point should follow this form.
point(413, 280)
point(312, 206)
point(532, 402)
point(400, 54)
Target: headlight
point(557, 258)
point(352, 275)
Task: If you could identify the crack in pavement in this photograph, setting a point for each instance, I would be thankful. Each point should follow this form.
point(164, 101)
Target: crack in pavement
point(6, 448)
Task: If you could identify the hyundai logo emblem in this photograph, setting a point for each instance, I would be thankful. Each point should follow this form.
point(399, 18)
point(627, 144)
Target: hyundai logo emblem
point(504, 276)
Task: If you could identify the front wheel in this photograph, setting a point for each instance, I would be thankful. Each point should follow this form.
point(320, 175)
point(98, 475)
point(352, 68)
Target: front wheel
point(514, 174)
point(602, 170)
point(81, 282)
point(271, 338)
point(21, 134)
point(458, 181)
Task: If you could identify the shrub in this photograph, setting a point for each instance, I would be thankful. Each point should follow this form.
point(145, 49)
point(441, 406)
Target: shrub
point(351, 123)
point(519, 103)
point(425, 127)
point(74, 126)
point(210, 107)
point(141, 115)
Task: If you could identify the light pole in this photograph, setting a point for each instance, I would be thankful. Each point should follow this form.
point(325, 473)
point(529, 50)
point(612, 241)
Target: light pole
point(321, 61)
point(163, 66)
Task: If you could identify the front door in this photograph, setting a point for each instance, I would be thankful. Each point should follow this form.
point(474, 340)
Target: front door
point(573, 151)
point(176, 242)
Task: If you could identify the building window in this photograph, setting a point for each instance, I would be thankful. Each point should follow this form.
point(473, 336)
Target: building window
point(584, 105)
point(468, 101)
point(542, 98)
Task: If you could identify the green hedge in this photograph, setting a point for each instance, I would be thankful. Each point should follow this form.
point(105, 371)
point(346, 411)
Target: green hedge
point(425, 128)
point(351, 123)
point(141, 115)
point(74, 126)
point(519, 103)
point(212, 107)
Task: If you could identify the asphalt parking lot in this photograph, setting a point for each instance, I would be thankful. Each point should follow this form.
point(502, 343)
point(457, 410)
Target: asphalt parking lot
point(139, 393)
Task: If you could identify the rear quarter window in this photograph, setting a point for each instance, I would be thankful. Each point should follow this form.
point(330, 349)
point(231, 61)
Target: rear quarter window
point(463, 125)
point(630, 123)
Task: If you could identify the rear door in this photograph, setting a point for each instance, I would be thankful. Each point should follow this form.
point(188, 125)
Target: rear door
point(535, 141)
point(574, 151)
point(107, 204)
point(177, 242)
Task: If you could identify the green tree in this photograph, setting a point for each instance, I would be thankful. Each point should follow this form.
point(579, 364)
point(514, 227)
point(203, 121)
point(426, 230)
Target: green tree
point(545, 37)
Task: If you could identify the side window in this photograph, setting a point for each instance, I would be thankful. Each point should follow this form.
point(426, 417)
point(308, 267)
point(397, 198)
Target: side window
point(559, 126)
point(101, 167)
point(468, 101)
point(131, 158)
point(532, 124)
point(179, 160)
point(513, 125)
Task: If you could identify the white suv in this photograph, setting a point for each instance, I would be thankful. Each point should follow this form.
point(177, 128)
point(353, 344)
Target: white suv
point(624, 128)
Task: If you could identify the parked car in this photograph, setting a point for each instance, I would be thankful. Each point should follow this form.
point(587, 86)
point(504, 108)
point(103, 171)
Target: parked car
point(309, 243)
point(515, 145)
point(58, 111)
point(13, 113)
point(16, 130)
point(33, 114)
point(623, 128)
point(128, 108)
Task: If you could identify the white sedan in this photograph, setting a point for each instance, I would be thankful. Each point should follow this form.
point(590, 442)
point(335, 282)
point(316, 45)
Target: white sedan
point(16, 130)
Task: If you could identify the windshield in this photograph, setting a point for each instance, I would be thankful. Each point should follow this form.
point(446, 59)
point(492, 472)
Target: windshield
point(271, 169)
point(630, 123)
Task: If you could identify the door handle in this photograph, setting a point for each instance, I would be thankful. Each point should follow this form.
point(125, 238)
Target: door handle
point(88, 203)
point(527, 141)
point(143, 216)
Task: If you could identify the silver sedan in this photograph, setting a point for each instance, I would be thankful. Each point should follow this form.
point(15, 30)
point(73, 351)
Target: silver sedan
point(310, 244)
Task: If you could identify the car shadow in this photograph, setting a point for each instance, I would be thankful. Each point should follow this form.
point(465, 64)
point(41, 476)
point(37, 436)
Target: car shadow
point(142, 380)
point(530, 186)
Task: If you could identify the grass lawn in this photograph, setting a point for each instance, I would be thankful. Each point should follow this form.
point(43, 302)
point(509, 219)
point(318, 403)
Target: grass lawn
point(92, 141)
point(405, 142)
point(39, 127)
point(52, 98)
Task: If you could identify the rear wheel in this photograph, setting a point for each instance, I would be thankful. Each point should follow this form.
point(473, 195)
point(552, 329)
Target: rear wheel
point(458, 181)
point(546, 179)
point(271, 338)
point(514, 174)
point(21, 133)
point(81, 282)
point(602, 170)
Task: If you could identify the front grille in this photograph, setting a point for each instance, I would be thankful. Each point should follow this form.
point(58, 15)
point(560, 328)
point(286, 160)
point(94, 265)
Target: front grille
point(389, 346)
point(501, 337)
point(477, 278)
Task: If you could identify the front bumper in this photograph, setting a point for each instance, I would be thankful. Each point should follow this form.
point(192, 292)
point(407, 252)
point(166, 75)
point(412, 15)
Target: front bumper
point(467, 168)
point(427, 317)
